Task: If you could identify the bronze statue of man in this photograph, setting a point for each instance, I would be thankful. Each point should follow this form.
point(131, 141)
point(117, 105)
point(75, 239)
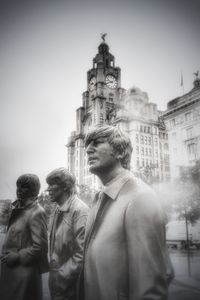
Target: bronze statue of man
point(125, 252)
point(24, 254)
point(67, 228)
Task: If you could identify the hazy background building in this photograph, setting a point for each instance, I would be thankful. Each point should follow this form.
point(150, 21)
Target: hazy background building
point(182, 119)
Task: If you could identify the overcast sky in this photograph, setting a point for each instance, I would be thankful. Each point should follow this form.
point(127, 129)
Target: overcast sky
point(46, 49)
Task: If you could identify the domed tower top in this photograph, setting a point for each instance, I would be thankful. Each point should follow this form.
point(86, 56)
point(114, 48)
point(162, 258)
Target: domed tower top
point(104, 58)
point(103, 48)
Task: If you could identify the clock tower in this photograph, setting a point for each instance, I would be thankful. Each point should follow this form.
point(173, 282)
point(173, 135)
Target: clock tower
point(103, 87)
point(99, 104)
point(105, 102)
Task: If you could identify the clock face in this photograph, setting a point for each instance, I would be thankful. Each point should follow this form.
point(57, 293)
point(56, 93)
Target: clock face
point(111, 81)
point(92, 83)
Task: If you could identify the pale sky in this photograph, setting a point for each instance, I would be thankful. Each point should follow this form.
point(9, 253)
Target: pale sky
point(46, 49)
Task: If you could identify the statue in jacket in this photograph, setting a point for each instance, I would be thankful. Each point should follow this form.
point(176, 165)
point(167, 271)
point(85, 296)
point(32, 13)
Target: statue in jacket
point(24, 252)
point(67, 228)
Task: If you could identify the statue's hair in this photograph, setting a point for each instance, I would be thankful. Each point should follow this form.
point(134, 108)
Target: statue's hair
point(118, 139)
point(31, 181)
point(62, 177)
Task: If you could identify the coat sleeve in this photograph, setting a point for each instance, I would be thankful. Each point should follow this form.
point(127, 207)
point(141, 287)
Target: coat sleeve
point(38, 236)
point(146, 251)
point(70, 270)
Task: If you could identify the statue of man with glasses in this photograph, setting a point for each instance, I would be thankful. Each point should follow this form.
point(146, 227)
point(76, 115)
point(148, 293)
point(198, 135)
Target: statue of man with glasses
point(67, 228)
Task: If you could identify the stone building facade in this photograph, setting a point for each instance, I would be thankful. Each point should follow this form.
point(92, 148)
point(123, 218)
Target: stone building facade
point(106, 102)
point(182, 119)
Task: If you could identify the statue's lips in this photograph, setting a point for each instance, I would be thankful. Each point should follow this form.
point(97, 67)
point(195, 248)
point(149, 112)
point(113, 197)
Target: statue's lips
point(92, 160)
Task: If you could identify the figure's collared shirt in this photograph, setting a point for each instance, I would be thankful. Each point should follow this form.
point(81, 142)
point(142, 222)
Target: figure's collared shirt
point(112, 188)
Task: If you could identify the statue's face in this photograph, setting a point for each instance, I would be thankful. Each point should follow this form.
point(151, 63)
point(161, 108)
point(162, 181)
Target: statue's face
point(55, 192)
point(23, 191)
point(100, 156)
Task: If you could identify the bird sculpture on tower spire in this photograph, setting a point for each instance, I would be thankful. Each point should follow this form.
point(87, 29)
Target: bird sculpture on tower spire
point(103, 35)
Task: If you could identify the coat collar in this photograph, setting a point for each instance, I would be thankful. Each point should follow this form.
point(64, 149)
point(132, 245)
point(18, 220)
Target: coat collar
point(66, 206)
point(113, 188)
point(29, 202)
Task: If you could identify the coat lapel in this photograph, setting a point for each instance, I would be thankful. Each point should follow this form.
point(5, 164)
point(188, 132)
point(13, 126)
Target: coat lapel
point(52, 228)
point(102, 204)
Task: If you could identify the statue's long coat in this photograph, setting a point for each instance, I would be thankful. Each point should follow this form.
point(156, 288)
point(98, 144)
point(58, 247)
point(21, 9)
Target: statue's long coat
point(125, 256)
point(26, 235)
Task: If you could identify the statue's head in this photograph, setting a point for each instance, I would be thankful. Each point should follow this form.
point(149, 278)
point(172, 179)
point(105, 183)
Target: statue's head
point(60, 181)
point(118, 140)
point(28, 185)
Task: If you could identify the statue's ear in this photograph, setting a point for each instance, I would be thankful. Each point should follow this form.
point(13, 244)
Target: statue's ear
point(118, 156)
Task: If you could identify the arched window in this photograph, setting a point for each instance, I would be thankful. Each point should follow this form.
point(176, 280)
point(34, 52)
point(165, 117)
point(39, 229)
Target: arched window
point(166, 147)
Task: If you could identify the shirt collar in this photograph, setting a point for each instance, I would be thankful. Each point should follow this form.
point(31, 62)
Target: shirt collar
point(113, 188)
point(66, 206)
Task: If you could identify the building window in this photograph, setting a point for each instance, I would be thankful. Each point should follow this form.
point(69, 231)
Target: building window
point(188, 116)
point(149, 140)
point(138, 162)
point(146, 151)
point(101, 118)
point(166, 159)
point(150, 153)
point(172, 123)
point(189, 132)
point(174, 135)
point(142, 139)
point(110, 98)
point(137, 138)
point(191, 149)
point(145, 140)
point(142, 150)
point(166, 147)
